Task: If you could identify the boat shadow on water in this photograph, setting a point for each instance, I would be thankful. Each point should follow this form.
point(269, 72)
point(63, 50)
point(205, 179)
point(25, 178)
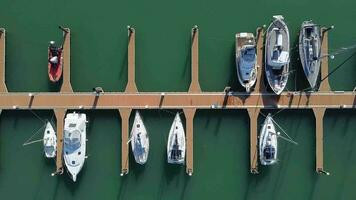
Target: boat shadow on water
point(55, 87)
point(68, 182)
point(175, 174)
point(136, 169)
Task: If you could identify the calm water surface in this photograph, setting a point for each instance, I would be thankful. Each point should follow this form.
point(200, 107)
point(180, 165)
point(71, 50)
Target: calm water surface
point(221, 137)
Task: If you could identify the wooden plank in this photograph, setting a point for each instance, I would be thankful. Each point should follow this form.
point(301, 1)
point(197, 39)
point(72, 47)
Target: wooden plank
point(59, 113)
point(194, 85)
point(324, 68)
point(153, 100)
point(3, 87)
point(66, 85)
point(319, 138)
point(259, 86)
point(189, 117)
point(125, 116)
point(131, 83)
point(253, 114)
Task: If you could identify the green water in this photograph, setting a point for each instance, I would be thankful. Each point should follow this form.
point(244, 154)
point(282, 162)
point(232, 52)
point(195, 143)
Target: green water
point(221, 137)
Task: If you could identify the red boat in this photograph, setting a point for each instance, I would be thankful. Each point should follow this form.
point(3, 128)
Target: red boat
point(55, 69)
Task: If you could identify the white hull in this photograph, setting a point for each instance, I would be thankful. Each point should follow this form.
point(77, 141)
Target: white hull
point(277, 46)
point(246, 64)
point(49, 141)
point(176, 142)
point(74, 143)
point(140, 143)
point(309, 51)
point(268, 143)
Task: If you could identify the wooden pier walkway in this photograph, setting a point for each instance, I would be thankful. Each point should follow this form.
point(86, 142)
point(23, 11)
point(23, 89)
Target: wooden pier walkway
point(189, 101)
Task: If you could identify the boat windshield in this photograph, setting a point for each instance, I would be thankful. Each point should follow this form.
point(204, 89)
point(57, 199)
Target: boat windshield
point(249, 54)
point(269, 152)
point(72, 140)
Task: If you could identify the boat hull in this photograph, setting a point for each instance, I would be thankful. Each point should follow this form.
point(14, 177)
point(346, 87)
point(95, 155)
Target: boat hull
point(277, 45)
point(74, 151)
point(55, 70)
point(246, 68)
point(140, 144)
point(268, 141)
point(176, 142)
point(309, 51)
point(49, 141)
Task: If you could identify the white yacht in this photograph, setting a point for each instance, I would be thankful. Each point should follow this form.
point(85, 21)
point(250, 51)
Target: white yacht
point(277, 59)
point(74, 143)
point(246, 60)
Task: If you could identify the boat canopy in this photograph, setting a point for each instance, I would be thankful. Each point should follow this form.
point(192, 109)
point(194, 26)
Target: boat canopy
point(72, 140)
point(247, 62)
point(279, 57)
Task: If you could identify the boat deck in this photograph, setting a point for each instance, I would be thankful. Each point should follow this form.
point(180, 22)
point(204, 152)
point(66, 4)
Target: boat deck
point(189, 101)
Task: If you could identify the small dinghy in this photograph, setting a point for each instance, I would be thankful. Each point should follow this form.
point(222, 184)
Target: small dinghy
point(49, 141)
point(268, 142)
point(55, 62)
point(309, 51)
point(176, 142)
point(74, 143)
point(277, 54)
point(140, 142)
point(246, 60)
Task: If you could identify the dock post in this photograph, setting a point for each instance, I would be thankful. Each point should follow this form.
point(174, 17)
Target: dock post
point(253, 114)
point(66, 85)
point(125, 116)
point(194, 85)
point(319, 139)
point(3, 87)
point(189, 117)
point(59, 113)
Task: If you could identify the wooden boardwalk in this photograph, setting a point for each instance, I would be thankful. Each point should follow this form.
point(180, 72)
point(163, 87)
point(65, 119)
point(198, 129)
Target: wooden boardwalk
point(189, 101)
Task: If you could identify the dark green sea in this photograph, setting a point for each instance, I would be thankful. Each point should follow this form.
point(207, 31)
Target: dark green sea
point(221, 137)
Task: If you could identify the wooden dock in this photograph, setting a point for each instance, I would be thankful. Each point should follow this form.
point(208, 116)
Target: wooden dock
point(189, 101)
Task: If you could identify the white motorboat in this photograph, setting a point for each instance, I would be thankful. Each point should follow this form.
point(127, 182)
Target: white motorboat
point(74, 143)
point(140, 142)
point(49, 141)
point(176, 142)
point(268, 142)
point(246, 60)
point(277, 54)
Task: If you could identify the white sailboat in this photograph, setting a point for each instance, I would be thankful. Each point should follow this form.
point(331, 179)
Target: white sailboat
point(74, 143)
point(140, 142)
point(49, 141)
point(176, 142)
point(268, 142)
point(309, 51)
